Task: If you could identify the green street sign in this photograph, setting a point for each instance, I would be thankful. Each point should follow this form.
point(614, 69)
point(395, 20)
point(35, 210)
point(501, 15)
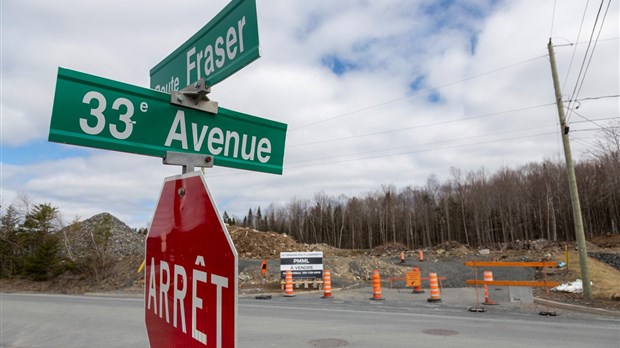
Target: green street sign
point(223, 46)
point(96, 112)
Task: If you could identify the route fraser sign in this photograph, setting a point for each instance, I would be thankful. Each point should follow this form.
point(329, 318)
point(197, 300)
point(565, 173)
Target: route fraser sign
point(97, 112)
point(191, 269)
point(223, 46)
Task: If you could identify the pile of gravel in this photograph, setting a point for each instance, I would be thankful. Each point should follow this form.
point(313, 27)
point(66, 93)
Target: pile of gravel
point(103, 232)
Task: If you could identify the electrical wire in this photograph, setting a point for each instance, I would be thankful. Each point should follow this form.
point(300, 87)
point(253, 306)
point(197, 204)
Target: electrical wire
point(424, 150)
point(587, 119)
point(593, 49)
point(598, 119)
point(581, 75)
point(552, 18)
point(420, 126)
point(596, 98)
point(570, 65)
point(453, 140)
point(370, 107)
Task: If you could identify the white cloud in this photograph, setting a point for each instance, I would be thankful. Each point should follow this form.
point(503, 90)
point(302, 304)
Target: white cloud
point(383, 46)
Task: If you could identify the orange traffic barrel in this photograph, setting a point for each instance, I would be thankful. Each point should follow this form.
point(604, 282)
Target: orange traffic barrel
point(288, 284)
point(327, 284)
point(376, 286)
point(488, 277)
point(434, 288)
point(421, 255)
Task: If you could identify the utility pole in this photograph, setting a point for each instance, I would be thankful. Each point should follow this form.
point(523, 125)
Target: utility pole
point(572, 181)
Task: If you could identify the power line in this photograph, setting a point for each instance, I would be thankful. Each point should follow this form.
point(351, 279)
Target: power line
point(421, 145)
point(587, 119)
point(585, 10)
point(425, 150)
point(580, 77)
point(595, 98)
point(288, 166)
point(552, 18)
point(593, 48)
point(597, 119)
point(370, 107)
point(420, 126)
point(584, 42)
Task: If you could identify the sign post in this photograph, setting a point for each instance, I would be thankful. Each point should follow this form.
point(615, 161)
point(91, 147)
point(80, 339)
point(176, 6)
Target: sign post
point(96, 112)
point(191, 262)
point(191, 269)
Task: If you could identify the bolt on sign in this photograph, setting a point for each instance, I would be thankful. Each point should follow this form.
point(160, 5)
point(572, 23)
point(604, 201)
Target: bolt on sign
point(96, 112)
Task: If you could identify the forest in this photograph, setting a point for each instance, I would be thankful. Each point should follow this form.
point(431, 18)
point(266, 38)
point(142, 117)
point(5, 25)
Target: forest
point(477, 208)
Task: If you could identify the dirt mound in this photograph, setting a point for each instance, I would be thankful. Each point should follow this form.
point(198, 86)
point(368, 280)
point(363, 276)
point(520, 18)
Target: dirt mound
point(535, 245)
point(389, 249)
point(452, 249)
point(610, 241)
point(254, 244)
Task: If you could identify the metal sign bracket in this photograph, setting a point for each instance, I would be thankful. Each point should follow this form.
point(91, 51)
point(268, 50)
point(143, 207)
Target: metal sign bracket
point(188, 160)
point(195, 96)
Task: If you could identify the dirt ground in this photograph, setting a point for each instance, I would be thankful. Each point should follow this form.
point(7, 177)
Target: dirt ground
point(353, 268)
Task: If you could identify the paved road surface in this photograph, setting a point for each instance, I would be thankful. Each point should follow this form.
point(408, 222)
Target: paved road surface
point(89, 321)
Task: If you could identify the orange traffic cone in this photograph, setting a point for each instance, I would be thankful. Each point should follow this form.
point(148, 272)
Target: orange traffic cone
point(488, 276)
point(402, 257)
point(434, 288)
point(376, 286)
point(327, 284)
point(417, 289)
point(421, 255)
point(288, 285)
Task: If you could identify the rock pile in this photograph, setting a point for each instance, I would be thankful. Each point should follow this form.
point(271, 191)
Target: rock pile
point(103, 233)
point(254, 244)
point(536, 245)
point(389, 249)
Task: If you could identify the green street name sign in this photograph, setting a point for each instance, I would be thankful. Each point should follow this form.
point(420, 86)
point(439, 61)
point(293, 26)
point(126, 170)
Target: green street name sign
point(223, 46)
point(96, 112)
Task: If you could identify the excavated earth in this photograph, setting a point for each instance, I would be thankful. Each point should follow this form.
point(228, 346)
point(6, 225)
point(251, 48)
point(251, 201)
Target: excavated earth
point(353, 268)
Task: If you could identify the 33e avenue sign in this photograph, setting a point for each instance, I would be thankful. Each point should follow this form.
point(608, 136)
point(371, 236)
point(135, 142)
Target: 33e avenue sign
point(223, 46)
point(97, 112)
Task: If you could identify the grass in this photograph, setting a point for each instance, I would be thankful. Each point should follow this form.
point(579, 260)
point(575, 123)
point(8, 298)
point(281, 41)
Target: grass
point(605, 278)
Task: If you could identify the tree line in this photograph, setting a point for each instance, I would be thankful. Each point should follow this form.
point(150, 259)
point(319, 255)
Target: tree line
point(477, 208)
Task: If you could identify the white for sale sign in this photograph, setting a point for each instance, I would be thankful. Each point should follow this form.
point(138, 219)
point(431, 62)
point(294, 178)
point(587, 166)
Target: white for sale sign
point(303, 265)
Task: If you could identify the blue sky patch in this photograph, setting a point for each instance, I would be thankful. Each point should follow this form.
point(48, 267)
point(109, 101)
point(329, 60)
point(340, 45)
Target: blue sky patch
point(337, 65)
point(461, 15)
point(313, 21)
point(434, 97)
point(473, 44)
point(39, 151)
point(418, 83)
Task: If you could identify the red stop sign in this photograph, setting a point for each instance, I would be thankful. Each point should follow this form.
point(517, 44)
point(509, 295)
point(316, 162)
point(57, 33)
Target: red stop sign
point(191, 269)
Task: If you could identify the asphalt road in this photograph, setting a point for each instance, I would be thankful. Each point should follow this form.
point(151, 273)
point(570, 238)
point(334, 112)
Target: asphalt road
point(89, 321)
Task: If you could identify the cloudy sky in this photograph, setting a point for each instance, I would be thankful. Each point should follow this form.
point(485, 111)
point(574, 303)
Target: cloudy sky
point(373, 92)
